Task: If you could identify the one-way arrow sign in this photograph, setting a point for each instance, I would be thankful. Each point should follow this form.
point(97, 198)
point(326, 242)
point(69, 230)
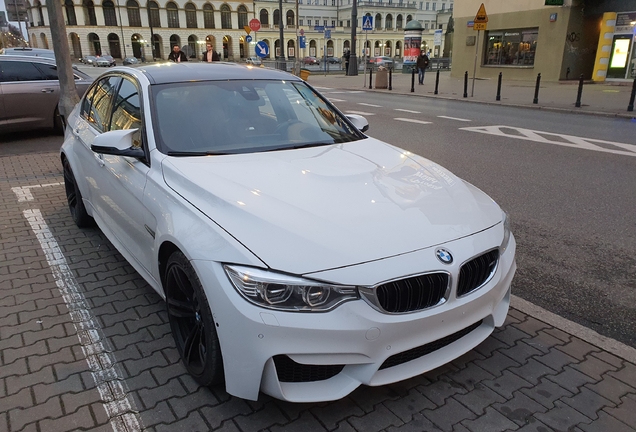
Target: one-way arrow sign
point(262, 50)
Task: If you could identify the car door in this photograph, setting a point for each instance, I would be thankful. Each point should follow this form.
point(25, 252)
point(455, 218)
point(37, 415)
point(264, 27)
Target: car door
point(29, 99)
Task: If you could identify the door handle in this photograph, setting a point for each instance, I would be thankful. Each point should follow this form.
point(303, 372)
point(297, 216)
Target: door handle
point(100, 160)
point(47, 90)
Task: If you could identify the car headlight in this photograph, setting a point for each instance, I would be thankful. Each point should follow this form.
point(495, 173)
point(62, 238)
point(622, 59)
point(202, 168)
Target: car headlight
point(289, 293)
point(506, 237)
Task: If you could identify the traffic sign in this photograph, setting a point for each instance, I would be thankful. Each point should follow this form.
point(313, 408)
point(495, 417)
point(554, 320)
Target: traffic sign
point(255, 25)
point(319, 28)
point(262, 49)
point(327, 34)
point(302, 32)
point(247, 29)
point(367, 23)
point(480, 26)
point(303, 42)
point(482, 16)
point(248, 38)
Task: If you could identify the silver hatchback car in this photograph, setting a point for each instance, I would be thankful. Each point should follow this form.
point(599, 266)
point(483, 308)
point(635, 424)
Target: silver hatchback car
point(30, 93)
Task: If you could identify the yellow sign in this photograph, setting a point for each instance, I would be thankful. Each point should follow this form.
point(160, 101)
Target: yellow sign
point(480, 26)
point(247, 29)
point(482, 16)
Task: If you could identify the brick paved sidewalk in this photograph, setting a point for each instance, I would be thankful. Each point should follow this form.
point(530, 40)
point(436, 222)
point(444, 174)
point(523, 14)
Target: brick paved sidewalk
point(528, 376)
point(611, 99)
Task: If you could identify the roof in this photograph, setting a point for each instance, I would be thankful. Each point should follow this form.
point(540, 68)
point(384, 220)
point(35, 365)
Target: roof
point(413, 25)
point(164, 73)
point(17, 57)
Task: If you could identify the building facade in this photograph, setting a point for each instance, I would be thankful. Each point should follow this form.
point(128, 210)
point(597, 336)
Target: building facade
point(527, 37)
point(149, 28)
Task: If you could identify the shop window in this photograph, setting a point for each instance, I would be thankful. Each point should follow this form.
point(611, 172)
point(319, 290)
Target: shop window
point(514, 47)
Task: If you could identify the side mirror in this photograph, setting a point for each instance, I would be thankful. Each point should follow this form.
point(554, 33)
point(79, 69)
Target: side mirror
point(117, 143)
point(359, 122)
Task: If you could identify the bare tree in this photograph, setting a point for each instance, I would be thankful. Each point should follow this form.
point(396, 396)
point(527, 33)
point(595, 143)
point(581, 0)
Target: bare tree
point(68, 92)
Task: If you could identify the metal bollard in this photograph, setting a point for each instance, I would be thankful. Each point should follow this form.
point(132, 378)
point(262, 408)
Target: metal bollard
point(371, 78)
point(536, 90)
point(436, 81)
point(412, 80)
point(466, 84)
point(499, 87)
point(630, 107)
point(579, 93)
point(390, 78)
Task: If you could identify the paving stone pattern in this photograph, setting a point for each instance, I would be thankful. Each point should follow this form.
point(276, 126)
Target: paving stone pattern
point(527, 376)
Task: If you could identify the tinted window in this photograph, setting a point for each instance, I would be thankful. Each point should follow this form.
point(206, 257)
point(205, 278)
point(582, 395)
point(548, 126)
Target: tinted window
point(49, 71)
point(86, 103)
point(126, 111)
point(20, 71)
point(101, 98)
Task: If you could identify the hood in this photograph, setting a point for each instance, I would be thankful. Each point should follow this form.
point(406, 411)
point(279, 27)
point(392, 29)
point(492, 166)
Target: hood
point(319, 208)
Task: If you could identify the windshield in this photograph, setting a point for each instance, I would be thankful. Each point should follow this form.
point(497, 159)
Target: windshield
point(243, 116)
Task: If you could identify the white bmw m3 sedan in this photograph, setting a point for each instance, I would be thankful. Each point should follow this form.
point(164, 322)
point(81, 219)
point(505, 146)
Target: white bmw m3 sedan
point(297, 256)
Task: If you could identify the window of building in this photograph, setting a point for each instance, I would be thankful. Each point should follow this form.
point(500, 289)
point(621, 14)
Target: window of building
point(208, 16)
point(434, 6)
point(191, 15)
point(443, 7)
point(333, 23)
point(341, 22)
point(155, 21)
point(110, 19)
point(226, 17)
point(290, 18)
point(514, 47)
point(242, 16)
point(348, 23)
point(173, 15)
point(134, 18)
point(309, 22)
point(426, 25)
point(300, 22)
point(71, 19)
point(324, 23)
point(276, 17)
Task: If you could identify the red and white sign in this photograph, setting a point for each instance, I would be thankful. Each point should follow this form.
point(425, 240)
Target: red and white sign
point(255, 24)
point(302, 32)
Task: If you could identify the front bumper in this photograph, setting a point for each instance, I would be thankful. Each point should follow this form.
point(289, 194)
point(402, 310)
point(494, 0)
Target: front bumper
point(355, 335)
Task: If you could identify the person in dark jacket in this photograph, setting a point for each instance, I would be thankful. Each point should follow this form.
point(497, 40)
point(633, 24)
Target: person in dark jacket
point(347, 56)
point(177, 55)
point(422, 64)
point(210, 55)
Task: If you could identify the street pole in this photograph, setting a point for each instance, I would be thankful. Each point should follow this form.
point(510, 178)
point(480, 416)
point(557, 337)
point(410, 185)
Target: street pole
point(281, 59)
point(472, 91)
point(353, 58)
point(364, 54)
point(297, 47)
point(152, 34)
point(121, 29)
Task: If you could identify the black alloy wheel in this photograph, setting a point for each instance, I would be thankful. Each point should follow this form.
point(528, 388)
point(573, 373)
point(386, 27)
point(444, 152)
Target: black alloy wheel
point(74, 198)
point(191, 321)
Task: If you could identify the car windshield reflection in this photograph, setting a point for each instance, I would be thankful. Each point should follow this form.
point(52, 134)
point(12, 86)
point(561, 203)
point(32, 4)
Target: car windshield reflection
point(229, 117)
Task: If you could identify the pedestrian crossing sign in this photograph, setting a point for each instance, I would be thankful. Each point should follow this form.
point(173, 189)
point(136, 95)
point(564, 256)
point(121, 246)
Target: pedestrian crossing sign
point(367, 23)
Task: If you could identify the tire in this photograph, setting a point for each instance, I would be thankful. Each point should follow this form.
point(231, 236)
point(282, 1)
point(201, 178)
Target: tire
point(74, 198)
point(191, 322)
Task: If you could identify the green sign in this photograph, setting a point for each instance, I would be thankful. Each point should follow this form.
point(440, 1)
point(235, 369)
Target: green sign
point(554, 2)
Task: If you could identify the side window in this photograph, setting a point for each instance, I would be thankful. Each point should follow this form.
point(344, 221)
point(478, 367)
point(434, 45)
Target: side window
point(100, 109)
point(20, 71)
point(86, 103)
point(126, 110)
point(49, 71)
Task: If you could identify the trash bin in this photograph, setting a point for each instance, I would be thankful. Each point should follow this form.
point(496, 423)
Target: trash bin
point(382, 78)
point(304, 74)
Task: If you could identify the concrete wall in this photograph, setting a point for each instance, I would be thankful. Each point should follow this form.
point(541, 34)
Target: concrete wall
point(551, 43)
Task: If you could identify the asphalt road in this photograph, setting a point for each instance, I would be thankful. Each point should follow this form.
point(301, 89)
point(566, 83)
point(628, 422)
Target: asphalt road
point(572, 200)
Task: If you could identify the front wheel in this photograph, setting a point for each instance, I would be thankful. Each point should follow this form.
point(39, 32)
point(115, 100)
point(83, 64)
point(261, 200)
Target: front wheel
point(191, 321)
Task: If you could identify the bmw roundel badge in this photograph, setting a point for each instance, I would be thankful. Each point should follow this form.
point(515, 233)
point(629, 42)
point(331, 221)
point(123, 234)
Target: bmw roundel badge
point(444, 256)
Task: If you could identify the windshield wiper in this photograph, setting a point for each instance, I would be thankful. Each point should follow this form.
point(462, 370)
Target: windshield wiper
point(206, 153)
point(313, 144)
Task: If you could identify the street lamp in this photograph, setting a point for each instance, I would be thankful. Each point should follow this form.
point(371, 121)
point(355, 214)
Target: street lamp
point(282, 65)
point(353, 59)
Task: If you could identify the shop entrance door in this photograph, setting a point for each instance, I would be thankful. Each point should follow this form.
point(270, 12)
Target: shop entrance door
point(619, 63)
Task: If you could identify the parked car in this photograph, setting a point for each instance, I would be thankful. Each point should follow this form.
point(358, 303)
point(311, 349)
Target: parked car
point(381, 61)
point(297, 256)
point(131, 61)
point(88, 59)
point(31, 52)
point(254, 61)
point(334, 60)
point(311, 61)
point(30, 92)
point(104, 61)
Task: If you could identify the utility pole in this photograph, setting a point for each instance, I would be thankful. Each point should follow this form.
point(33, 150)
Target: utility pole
point(282, 65)
point(68, 92)
point(353, 58)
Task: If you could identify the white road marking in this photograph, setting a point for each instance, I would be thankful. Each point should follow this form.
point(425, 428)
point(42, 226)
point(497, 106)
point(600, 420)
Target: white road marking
point(454, 118)
point(408, 111)
point(323, 88)
point(119, 407)
point(335, 92)
point(412, 120)
point(355, 91)
point(563, 140)
point(361, 113)
point(336, 100)
point(370, 105)
point(24, 193)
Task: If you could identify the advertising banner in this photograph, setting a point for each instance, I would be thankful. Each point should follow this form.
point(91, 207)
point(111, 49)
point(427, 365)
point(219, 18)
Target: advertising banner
point(411, 48)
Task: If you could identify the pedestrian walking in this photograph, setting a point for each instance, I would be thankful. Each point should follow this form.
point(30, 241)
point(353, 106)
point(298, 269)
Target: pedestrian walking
point(176, 55)
point(347, 55)
point(210, 55)
point(422, 64)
